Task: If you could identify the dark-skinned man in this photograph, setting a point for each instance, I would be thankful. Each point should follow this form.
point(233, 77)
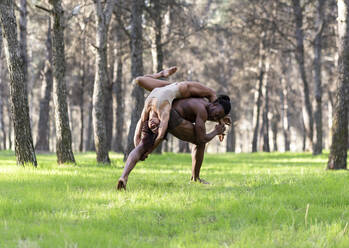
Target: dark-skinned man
point(187, 122)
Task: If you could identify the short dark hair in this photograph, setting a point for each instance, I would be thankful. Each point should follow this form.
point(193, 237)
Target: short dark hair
point(224, 100)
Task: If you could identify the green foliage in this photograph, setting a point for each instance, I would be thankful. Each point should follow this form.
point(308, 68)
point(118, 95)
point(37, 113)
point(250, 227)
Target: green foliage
point(255, 200)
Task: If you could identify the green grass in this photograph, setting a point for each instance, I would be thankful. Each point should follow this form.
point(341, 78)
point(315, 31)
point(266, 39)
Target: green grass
point(255, 200)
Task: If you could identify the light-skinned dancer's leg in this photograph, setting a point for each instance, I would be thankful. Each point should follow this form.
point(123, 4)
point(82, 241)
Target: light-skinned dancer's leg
point(151, 81)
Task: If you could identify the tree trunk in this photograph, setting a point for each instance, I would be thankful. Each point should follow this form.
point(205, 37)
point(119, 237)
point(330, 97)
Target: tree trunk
point(258, 94)
point(274, 127)
point(82, 91)
point(184, 147)
point(118, 96)
point(300, 60)
point(19, 100)
point(2, 122)
point(23, 40)
point(108, 107)
point(304, 131)
point(63, 140)
point(231, 137)
point(285, 115)
point(317, 76)
point(157, 52)
point(119, 113)
point(109, 115)
point(330, 105)
point(266, 146)
point(89, 143)
point(2, 97)
point(42, 143)
point(338, 152)
point(136, 69)
point(10, 127)
point(103, 16)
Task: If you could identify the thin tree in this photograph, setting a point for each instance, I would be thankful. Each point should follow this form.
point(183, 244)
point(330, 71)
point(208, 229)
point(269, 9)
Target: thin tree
point(156, 46)
point(265, 126)
point(317, 74)
point(136, 68)
point(258, 94)
point(103, 16)
point(24, 148)
point(63, 133)
point(298, 15)
point(42, 143)
point(338, 152)
point(118, 84)
point(82, 85)
point(23, 39)
point(2, 104)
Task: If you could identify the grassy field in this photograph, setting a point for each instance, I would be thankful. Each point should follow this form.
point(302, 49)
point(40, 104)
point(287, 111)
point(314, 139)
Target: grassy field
point(255, 200)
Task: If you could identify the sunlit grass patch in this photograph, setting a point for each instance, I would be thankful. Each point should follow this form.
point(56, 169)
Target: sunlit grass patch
point(255, 200)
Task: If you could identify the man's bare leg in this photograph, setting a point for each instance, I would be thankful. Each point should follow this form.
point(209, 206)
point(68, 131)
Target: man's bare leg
point(151, 81)
point(131, 162)
point(186, 132)
point(197, 157)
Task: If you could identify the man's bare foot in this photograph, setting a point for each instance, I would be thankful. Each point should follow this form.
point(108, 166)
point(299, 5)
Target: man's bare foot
point(121, 184)
point(169, 71)
point(199, 180)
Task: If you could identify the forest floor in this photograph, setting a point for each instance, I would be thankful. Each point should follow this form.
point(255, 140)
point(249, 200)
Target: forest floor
point(255, 200)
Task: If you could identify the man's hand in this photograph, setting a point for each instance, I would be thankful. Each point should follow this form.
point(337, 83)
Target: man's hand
point(219, 129)
point(226, 120)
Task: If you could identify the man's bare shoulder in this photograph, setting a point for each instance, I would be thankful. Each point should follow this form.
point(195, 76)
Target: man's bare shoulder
point(190, 108)
point(191, 102)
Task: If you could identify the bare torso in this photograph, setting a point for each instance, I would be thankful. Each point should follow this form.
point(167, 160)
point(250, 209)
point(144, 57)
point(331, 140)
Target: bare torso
point(189, 107)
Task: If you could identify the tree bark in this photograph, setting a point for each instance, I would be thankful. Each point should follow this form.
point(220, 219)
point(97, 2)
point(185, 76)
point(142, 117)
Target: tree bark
point(338, 152)
point(266, 146)
point(184, 147)
point(42, 143)
point(89, 143)
point(24, 148)
point(63, 140)
point(119, 113)
point(298, 13)
point(82, 91)
point(109, 115)
point(118, 96)
point(10, 127)
point(136, 69)
point(330, 105)
point(157, 52)
point(2, 122)
point(2, 97)
point(317, 76)
point(257, 107)
point(231, 137)
point(285, 115)
point(274, 127)
point(103, 16)
point(23, 39)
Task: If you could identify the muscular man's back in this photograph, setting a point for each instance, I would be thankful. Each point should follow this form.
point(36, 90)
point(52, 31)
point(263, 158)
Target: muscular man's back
point(189, 107)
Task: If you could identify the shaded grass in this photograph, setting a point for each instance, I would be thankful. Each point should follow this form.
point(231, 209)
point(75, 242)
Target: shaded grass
point(256, 200)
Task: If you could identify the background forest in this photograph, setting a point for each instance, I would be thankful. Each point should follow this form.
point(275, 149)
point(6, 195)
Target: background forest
point(275, 59)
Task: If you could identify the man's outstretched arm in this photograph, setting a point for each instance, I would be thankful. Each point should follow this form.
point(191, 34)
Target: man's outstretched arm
point(200, 129)
point(131, 162)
